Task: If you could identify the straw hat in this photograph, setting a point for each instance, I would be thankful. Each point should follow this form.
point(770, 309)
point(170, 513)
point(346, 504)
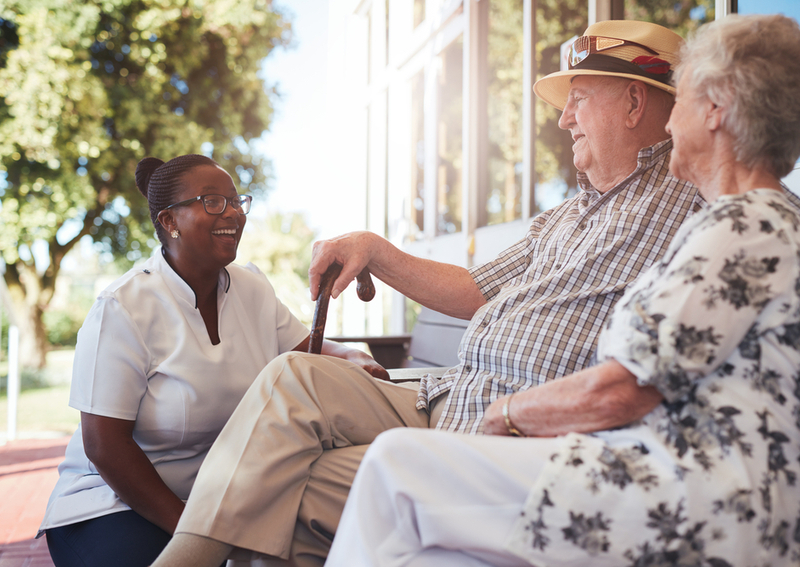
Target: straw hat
point(617, 48)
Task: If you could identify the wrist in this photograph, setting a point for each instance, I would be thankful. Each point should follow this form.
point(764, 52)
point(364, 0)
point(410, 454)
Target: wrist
point(510, 428)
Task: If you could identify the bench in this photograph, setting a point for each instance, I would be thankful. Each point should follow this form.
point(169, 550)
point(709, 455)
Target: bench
point(433, 343)
point(431, 348)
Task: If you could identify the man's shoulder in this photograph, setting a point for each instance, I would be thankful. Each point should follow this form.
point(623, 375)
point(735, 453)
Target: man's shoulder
point(793, 199)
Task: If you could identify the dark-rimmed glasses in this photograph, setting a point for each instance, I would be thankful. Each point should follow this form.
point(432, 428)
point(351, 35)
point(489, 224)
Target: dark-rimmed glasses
point(588, 44)
point(216, 204)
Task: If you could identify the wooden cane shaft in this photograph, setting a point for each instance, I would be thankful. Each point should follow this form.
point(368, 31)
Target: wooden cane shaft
point(321, 309)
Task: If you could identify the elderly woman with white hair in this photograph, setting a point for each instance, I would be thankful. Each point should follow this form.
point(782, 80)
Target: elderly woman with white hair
point(692, 456)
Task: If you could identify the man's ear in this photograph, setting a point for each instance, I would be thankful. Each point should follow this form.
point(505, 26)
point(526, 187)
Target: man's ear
point(636, 96)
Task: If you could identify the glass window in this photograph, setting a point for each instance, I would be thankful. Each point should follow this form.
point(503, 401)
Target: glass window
point(557, 21)
point(369, 47)
point(419, 12)
point(681, 16)
point(417, 197)
point(449, 138)
point(789, 8)
point(504, 107)
point(386, 14)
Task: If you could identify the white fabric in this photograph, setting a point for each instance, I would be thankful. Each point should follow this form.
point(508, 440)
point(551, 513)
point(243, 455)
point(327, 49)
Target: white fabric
point(407, 508)
point(708, 478)
point(144, 354)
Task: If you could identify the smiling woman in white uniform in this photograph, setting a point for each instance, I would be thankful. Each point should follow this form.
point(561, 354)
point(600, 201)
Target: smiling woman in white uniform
point(162, 360)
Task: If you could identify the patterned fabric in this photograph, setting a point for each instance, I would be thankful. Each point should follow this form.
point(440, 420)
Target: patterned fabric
point(710, 477)
point(549, 295)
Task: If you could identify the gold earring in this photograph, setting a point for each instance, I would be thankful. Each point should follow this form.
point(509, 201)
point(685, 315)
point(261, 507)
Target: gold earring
point(175, 233)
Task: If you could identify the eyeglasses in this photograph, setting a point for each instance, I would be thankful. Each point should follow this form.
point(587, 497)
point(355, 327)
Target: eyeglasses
point(216, 204)
point(588, 44)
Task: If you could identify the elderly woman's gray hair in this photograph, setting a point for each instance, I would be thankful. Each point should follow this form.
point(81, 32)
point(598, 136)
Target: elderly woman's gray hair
point(750, 65)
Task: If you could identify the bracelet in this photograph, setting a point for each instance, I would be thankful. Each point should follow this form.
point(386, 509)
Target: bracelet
point(510, 426)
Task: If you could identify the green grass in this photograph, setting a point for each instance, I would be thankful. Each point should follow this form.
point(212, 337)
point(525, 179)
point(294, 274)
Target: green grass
point(40, 410)
point(43, 404)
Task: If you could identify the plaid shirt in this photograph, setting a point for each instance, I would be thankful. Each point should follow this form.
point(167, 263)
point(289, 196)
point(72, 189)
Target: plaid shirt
point(549, 295)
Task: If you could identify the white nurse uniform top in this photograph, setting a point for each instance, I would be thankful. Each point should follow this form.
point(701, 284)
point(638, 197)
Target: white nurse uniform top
point(144, 354)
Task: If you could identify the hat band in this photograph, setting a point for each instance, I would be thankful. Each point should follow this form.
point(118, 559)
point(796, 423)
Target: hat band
point(596, 62)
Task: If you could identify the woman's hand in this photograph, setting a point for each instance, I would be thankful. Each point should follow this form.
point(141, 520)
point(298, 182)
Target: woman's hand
point(595, 399)
point(353, 355)
point(494, 423)
point(366, 362)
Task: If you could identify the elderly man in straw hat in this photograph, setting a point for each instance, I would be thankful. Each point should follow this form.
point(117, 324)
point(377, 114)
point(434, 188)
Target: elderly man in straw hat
point(276, 480)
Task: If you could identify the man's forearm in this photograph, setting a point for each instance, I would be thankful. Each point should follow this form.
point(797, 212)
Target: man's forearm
point(442, 287)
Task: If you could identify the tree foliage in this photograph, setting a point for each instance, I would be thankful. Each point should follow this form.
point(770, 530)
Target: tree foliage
point(88, 89)
point(280, 246)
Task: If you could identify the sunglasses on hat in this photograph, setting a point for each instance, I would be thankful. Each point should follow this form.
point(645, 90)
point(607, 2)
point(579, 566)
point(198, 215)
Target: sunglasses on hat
point(588, 44)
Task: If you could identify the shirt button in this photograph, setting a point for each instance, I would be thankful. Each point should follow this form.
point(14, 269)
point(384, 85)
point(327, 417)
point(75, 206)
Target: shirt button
point(146, 271)
point(582, 226)
point(467, 368)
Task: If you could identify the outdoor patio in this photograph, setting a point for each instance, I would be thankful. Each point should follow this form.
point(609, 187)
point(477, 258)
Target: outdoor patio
point(27, 475)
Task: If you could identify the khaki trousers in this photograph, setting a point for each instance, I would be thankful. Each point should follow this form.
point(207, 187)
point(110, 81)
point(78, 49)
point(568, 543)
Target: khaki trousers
point(276, 479)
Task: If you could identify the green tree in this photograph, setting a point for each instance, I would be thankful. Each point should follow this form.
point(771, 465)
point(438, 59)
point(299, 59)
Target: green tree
point(681, 16)
point(280, 246)
point(88, 89)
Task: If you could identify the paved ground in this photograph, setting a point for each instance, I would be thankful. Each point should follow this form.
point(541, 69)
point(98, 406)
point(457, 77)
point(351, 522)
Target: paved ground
point(27, 475)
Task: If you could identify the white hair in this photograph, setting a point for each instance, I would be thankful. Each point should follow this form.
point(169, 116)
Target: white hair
point(750, 65)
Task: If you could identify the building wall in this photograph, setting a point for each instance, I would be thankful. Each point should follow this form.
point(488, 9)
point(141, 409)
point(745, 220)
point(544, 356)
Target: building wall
point(436, 126)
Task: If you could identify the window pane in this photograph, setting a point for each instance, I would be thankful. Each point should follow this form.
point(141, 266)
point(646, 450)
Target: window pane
point(789, 8)
point(419, 12)
point(681, 16)
point(449, 117)
point(556, 22)
point(417, 200)
point(504, 102)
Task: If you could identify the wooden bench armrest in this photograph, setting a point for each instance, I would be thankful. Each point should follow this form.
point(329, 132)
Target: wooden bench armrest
point(415, 374)
point(374, 340)
point(389, 351)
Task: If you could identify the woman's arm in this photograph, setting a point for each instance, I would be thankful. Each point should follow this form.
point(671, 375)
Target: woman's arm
point(355, 356)
point(597, 398)
point(109, 444)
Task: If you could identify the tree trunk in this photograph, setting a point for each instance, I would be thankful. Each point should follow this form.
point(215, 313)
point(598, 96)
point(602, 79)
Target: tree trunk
point(33, 344)
point(30, 294)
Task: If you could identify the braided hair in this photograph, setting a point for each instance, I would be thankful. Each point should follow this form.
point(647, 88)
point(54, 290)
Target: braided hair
point(161, 182)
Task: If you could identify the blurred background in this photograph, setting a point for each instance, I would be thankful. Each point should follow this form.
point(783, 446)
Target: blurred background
point(410, 118)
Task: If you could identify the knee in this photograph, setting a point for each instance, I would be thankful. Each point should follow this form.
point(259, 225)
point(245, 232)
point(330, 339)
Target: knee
point(281, 365)
point(397, 447)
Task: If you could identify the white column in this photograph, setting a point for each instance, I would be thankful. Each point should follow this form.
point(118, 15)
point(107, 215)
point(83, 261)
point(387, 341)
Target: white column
point(13, 380)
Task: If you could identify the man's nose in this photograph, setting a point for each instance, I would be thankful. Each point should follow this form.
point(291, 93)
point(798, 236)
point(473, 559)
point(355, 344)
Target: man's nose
point(567, 118)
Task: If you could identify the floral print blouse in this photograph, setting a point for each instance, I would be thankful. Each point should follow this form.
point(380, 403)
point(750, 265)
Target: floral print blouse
point(710, 477)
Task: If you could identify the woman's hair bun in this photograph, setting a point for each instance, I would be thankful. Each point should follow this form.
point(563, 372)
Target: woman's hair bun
point(144, 170)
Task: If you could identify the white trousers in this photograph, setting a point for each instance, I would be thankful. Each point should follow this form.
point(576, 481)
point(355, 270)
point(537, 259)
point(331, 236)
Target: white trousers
point(437, 499)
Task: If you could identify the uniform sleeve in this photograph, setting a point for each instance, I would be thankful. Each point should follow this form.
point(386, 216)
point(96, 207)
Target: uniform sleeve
point(109, 373)
point(685, 318)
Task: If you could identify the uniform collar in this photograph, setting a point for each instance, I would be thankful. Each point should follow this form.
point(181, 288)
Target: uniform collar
point(178, 285)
